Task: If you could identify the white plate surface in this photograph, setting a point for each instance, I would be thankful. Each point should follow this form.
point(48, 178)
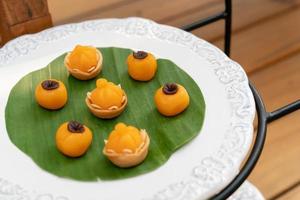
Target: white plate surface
point(197, 171)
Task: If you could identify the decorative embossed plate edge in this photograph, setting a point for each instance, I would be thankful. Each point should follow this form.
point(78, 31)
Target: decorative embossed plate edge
point(217, 169)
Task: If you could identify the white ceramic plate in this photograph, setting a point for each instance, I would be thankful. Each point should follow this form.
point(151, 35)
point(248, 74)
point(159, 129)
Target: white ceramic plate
point(247, 192)
point(197, 171)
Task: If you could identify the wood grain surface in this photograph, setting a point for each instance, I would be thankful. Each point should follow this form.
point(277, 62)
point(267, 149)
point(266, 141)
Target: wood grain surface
point(292, 195)
point(155, 9)
point(278, 168)
point(18, 17)
point(268, 41)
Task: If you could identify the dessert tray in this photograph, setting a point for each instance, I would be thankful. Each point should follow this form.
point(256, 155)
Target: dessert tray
point(197, 170)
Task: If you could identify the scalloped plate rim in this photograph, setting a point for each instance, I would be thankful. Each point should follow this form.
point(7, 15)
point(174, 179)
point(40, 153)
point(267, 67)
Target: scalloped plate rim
point(6, 50)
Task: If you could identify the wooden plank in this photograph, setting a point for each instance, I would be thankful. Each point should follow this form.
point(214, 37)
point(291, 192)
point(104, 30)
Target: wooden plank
point(154, 9)
point(177, 13)
point(278, 167)
point(267, 42)
point(245, 13)
point(77, 9)
point(291, 195)
point(4, 32)
point(31, 26)
point(18, 11)
point(19, 17)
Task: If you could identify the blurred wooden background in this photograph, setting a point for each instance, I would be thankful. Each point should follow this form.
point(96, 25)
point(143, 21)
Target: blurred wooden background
point(265, 41)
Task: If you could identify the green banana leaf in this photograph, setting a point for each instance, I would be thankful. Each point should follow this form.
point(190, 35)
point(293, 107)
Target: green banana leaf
point(32, 129)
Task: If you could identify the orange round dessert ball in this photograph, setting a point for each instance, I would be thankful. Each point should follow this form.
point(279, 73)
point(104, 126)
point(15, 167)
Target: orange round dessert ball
point(73, 139)
point(51, 94)
point(171, 99)
point(142, 66)
point(83, 58)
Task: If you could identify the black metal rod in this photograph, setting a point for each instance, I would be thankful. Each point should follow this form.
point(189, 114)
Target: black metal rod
point(204, 22)
point(228, 19)
point(255, 152)
point(226, 15)
point(284, 111)
point(263, 116)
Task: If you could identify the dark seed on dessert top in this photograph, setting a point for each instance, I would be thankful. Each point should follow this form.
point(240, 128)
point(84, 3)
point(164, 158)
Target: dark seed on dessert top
point(75, 127)
point(50, 84)
point(170, 88)
point(140, 54)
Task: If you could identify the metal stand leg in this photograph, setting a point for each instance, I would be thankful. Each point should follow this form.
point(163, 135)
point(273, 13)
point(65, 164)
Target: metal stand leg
point(226, 15)
point(228, 18)
point(255, 152)
point(264, 117)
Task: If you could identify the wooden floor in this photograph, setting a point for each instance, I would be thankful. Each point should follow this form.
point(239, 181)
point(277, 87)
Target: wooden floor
point(265, 41)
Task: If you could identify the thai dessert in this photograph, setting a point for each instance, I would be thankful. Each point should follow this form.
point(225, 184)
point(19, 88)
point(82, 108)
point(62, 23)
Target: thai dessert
point(51, 94)
point(126, 146)
point(73, 138)
point(107, 100)
point(171, 99)
point(142, 66)
point(84, 62)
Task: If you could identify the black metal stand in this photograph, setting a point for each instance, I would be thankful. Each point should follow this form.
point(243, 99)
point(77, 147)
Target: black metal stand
point(226, 15)
point(264, 117)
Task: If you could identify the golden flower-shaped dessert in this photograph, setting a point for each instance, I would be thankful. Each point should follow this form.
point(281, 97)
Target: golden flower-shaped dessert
point(141, 65)
point(73, 139)
point(126, 146)
point(51, 94)
point(84, 62)
point(171, 99)
point(107, 100)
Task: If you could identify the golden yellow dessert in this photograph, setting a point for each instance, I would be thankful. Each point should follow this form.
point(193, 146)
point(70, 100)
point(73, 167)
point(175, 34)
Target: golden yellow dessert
point(142, 66)
point(73, 139)
point(107, 100)
point(126, 146)
point(51, 94)
point(171, 99)
point(84, 62)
